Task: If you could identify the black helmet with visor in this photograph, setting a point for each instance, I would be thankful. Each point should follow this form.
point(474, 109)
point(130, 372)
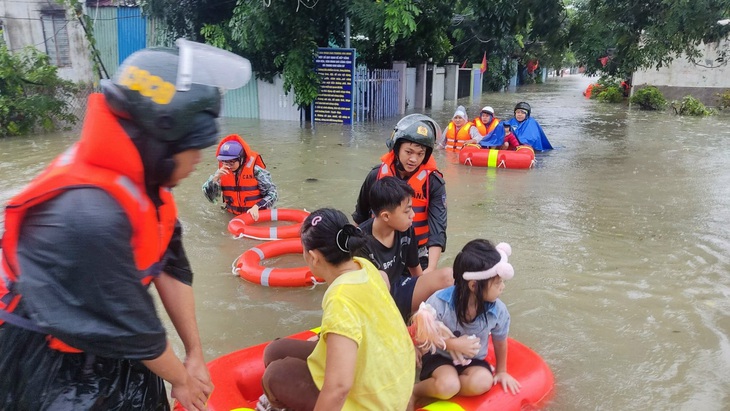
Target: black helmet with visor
point(416, 128)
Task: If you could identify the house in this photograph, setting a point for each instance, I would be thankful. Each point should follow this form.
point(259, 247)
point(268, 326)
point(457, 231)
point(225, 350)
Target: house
point(47, 26)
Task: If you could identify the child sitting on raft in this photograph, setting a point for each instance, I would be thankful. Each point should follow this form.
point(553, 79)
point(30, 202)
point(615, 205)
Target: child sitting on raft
point(471, 307)
point(510, 141)
point(392, 246)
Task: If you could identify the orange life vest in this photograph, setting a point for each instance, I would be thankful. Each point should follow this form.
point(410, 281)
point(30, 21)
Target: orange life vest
point(483, 129)
point(241, 189)
point(455, 140)
point(88, 164)
point(419, 181)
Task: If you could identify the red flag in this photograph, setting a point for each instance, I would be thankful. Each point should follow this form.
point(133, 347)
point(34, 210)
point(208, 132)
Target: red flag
point(463, 65)
point(483, 67)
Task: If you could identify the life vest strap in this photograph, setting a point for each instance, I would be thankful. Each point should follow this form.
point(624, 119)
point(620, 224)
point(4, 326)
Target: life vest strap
point(21, 322)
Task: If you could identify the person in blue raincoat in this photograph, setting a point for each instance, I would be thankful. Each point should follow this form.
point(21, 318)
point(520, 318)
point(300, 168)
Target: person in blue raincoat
point(494, 138)
point(527, 129)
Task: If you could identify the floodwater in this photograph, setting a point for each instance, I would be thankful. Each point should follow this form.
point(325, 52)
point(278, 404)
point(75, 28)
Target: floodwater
point(620, 240)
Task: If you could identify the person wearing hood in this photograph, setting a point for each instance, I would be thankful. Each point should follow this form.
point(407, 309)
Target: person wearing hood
point(527, 129)
point(410, 158)
point(459, 132)
point(241, 179)
point(88, 236)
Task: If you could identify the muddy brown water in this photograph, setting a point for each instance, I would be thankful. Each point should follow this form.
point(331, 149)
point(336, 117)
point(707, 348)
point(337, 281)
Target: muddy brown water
point(620, 240)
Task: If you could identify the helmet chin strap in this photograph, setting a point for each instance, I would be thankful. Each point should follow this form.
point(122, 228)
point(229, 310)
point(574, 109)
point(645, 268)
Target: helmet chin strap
point(399, 165)
point(156, 159)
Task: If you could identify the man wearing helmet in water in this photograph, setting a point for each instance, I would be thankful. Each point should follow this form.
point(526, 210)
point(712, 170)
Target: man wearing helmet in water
point(527, 130)
point(85, 239)
point(410, 159)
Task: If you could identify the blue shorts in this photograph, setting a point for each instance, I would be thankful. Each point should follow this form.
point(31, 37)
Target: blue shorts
point(402, 292)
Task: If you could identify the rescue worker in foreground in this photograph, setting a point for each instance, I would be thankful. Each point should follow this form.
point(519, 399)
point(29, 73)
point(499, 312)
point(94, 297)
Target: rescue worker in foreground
point(241, 179)
point(410, 158)
point(85, 239)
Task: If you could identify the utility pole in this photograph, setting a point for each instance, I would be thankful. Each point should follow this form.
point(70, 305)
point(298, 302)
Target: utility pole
point(347, 32)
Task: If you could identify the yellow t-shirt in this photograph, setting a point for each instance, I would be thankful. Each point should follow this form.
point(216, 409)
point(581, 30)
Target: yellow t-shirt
point(357, 305)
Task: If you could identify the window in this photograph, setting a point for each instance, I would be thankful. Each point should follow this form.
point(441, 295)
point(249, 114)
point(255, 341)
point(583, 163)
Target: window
point(56, 37)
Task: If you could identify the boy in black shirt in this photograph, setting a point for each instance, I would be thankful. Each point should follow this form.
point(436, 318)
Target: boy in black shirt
point(393, 249)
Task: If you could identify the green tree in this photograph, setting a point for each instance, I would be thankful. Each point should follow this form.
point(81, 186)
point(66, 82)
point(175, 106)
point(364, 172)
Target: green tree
point(32, 96)
point(281, 37)
point(401, 30)
point(509, 29)
point(651, 33)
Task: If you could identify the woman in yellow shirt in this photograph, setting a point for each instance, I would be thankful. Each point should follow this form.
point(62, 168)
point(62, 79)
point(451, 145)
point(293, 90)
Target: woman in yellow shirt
point(363, 360)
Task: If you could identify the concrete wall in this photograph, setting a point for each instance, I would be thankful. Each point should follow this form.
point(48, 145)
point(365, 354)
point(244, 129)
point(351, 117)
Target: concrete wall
point(437, 89)
point(702, 80)
point(410, 87)
point(451, 81)
point(23, 27)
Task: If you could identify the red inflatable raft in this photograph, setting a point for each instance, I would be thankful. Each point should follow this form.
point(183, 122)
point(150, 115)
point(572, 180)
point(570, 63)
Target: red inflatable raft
point(248, 265)
point(244, 226)
point(237, 380)
point(523, 157)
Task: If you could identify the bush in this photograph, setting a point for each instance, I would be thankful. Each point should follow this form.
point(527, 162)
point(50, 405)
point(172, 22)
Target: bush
point(610, 94)
point(649, 98)
point(32, 96)
point(724, 99)
point(690, 106)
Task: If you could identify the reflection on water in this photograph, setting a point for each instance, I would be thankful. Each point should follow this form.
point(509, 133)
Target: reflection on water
point(620, 240)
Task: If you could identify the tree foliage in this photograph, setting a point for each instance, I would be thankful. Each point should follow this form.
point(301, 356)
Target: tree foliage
point(32, 95)
point(634, 35)
point(186, 18)
point(281, 37)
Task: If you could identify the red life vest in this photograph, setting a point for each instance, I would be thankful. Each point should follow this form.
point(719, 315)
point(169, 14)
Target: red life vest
point(88, 164)
point(455, 140)
point(483, 129)
point(419, 181)
point(241, 189)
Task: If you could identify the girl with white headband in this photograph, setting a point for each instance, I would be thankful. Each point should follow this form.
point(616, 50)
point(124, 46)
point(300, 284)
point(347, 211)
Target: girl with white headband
point(471, 309)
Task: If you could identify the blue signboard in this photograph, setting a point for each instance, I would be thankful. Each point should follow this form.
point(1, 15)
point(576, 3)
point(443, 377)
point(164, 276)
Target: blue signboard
point(336, 70)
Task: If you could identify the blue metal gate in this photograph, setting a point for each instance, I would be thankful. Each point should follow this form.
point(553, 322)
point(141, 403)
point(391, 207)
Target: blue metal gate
point(375, 94)
point(131, 29)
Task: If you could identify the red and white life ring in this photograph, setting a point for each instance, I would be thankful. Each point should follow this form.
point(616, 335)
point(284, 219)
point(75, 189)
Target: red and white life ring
point(243, 225)
point(248, 265)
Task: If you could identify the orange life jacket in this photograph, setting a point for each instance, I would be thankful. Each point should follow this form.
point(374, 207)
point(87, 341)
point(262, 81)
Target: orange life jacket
point(88, 164)
point(483, 129)
point(455, 140)
point(241, 189)
point(419, 181)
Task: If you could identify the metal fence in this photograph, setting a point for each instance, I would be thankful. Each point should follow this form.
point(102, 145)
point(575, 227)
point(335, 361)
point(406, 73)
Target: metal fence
point(375, 94)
